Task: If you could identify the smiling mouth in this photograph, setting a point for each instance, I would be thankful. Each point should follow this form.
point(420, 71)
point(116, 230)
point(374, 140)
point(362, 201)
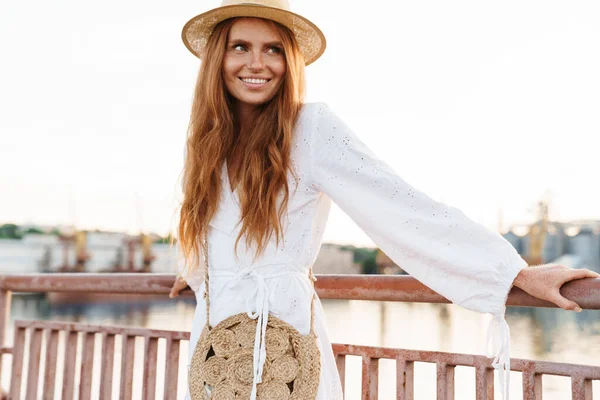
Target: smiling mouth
point(254, 81)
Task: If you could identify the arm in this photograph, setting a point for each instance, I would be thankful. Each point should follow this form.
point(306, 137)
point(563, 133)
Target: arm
point(437, 244)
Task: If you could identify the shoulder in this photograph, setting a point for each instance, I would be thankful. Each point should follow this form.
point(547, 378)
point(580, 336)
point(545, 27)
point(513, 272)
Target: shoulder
point(307, 131)
point(307, 121)
point(316, 118)
point(313, 106)
point(322, 132)
point(312, 110)
point(321, 123)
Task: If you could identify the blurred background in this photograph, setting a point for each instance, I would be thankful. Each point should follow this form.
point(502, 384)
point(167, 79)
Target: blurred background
point(489, 107)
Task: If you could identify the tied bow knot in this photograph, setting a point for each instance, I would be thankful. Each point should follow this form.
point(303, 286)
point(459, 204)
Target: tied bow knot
point(498, 347)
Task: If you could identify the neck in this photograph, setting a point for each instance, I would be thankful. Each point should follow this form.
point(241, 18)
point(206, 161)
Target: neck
point(244, 113)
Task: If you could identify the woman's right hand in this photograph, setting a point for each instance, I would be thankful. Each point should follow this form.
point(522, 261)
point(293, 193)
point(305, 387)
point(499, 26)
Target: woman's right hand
point(178, 286)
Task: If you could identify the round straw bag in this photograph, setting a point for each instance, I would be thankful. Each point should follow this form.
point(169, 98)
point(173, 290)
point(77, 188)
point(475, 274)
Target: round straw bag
point(223, 368)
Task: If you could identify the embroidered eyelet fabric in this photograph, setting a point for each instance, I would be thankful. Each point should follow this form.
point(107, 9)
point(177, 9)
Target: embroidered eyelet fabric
point(437, 244)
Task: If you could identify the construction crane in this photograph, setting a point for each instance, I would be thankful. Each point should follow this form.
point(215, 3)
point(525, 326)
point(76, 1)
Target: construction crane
point(537, 235)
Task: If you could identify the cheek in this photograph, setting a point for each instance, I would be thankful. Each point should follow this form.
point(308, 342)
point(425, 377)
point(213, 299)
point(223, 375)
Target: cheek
point(230, 68)
point(279, 69)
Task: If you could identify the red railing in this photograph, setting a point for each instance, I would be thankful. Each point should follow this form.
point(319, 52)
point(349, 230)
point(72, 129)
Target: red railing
point(39, 341)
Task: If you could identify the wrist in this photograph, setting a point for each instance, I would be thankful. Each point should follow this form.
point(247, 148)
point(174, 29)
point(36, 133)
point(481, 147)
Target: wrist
point(521, 278)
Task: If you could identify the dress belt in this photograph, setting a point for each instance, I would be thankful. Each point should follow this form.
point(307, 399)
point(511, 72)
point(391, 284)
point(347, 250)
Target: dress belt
point(260, 309)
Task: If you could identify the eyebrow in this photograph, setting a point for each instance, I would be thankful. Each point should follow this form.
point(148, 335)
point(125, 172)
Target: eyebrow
point(247, 43)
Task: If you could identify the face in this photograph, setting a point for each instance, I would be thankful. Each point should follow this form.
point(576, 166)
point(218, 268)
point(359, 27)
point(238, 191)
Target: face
point(254, 62)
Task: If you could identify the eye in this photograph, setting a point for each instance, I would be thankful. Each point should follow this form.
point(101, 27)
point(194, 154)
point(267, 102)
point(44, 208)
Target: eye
point(239, 47)
point(275, 50)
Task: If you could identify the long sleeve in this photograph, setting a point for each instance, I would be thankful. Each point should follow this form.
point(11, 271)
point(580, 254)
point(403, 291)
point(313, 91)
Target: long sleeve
point(437, 244)
point(195, 277)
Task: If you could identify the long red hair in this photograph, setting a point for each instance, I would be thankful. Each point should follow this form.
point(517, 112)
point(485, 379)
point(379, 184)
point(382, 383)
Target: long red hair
point(264, 150)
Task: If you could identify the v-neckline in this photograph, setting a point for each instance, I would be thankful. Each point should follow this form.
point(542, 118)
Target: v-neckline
point(228, 187)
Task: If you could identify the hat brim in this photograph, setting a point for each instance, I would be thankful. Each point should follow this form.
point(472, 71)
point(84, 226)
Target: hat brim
point(310, 39)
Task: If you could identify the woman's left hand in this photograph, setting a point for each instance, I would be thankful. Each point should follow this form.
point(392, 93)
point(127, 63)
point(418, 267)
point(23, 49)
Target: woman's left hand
point(178, 286)
point(545, 281)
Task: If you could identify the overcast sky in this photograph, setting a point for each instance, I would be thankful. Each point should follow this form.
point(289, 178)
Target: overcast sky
point(483, 105)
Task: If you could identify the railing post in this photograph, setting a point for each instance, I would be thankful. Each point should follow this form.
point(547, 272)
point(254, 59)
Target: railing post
point(581, 388)
point(484, 382)
point(16, 372)
point(405, 376)
point(127, 355)
point(5, 297)
point(68, 388)
point(172, 368)
point(532, 383)
point(340, 362)
point(150, 360)
point(370, 378)
point(445, 381)
point(51, 358)
point(106, 368)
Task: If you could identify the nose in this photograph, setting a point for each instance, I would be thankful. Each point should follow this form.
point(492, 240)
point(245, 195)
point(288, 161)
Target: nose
point(256, 62)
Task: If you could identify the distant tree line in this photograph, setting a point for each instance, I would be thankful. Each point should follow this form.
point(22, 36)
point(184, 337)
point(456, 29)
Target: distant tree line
point(365, 257)
point(166, 239)
point(13, 231)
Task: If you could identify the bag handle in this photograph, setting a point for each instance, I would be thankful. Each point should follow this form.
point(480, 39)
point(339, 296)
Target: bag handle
point(311, 276)
point(206, 286)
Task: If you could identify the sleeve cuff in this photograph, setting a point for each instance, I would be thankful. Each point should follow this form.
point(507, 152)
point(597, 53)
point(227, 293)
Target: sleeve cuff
point(512, 268)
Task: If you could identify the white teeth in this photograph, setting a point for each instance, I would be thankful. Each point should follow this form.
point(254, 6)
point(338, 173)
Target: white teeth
point(251, 80)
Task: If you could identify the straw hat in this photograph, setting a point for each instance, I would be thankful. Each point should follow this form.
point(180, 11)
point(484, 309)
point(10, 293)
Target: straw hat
point(311, 40)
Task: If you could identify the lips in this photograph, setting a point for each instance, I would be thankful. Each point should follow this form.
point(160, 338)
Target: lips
point(255, 81)
point(254, 84)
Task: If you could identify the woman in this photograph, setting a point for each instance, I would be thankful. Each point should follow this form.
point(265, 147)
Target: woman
point(262, 166)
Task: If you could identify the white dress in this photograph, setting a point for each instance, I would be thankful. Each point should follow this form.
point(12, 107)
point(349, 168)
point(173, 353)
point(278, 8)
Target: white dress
point(437, 244)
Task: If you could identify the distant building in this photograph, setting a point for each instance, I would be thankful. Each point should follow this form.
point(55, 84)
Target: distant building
point(385, 265)
point(580, 239)
point(555, 242)
point(586, 245)
point(36, 240)
point(332, 259)
point(515, 240)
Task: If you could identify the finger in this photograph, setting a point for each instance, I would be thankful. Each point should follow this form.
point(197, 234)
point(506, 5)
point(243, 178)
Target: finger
point(176, 288)
point(175, 292)
point(565, 303)
point(583, 273)
point(180, 285)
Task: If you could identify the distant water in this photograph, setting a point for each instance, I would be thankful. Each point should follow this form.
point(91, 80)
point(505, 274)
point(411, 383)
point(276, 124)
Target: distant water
point(542, 334)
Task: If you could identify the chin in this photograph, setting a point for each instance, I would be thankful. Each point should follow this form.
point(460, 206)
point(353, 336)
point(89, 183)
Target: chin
point(255, 101)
